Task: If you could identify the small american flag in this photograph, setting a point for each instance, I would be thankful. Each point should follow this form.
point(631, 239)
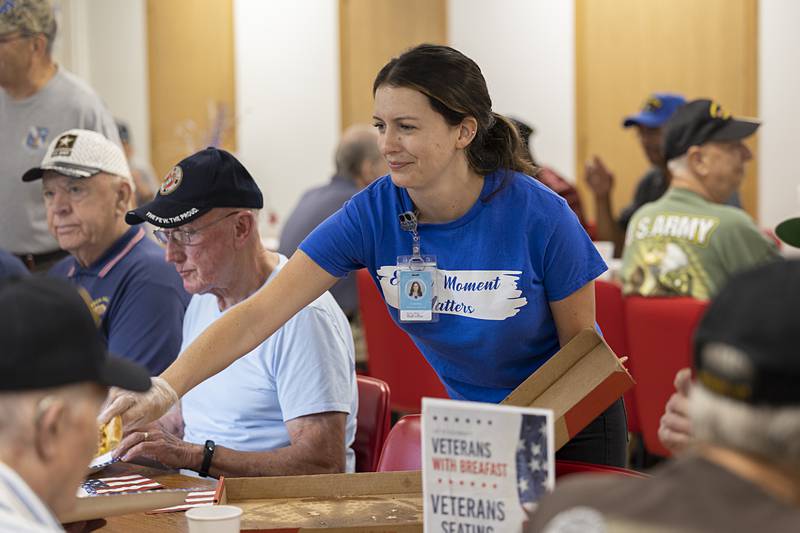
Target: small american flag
point(533, 468)
point(193, 499)
point(111, 485)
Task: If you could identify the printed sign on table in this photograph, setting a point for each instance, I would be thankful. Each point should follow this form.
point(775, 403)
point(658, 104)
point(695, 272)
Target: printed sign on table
point(484, 466)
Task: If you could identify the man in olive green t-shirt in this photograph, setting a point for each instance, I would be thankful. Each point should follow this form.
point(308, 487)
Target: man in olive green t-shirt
point(687, 243)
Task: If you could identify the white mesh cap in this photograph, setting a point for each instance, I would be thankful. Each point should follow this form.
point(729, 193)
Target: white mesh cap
point(81, 154)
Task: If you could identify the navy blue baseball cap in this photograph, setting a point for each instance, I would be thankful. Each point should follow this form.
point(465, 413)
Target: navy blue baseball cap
point(50, 338)
point(203, 181)
point(745, 347)
point(701, 121)
point(656, 110)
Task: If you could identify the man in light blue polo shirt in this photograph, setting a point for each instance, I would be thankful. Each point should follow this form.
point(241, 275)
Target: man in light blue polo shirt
point(87, 189)
point(288, 407)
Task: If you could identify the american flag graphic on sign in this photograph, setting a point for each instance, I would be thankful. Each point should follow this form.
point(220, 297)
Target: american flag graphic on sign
point(111, 485)
point(532, 464)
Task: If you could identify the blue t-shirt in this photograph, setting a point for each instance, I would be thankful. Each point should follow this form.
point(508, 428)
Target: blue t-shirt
point(10, 265)
point(306, 367)
point(138, 296)
point(517, 249)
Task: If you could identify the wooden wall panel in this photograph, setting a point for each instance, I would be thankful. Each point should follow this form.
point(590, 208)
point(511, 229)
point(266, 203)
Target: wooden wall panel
point(374, 31)
point(191, 70)
point(626, 49)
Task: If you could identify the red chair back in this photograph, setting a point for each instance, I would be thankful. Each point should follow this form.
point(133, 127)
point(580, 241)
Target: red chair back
point(403, 447)
point(660, 332)
point(391, 355)
point(610, 311)
point(403, 451)
point(372, 423)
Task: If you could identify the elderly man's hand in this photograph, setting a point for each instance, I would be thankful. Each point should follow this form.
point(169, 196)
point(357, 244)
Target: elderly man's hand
point(155, 443)
point(675, 430)
point(137, 409)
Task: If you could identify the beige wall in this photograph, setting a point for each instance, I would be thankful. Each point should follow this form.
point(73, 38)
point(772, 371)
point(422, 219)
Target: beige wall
point(626, 49)
point(190, 56)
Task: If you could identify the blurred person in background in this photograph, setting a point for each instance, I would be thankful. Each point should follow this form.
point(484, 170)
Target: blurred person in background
point(38, 101)
point(144, 177)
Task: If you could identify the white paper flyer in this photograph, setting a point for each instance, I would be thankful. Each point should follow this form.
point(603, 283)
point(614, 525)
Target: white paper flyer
point(484, 466)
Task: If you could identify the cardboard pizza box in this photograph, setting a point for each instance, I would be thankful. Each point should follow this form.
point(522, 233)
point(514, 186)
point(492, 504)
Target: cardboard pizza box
point(375, 502)
point(578, 383)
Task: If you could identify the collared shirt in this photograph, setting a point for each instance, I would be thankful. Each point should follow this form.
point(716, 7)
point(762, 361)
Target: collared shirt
point(138, 296)
point(21, 510)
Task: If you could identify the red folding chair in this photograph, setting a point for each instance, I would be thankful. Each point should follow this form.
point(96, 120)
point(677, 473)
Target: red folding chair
point(403, 447)
point(372, 423)
point(403, 451)
point(610, 312)
point(660, 332)
point(391, 355)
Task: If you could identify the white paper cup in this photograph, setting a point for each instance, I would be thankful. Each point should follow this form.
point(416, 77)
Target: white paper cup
point(214, 519)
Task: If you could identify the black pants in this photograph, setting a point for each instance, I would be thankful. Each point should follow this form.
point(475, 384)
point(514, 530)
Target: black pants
point(604, 441)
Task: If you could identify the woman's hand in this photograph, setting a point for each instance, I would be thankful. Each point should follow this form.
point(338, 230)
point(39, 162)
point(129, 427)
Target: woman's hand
point(139, 408)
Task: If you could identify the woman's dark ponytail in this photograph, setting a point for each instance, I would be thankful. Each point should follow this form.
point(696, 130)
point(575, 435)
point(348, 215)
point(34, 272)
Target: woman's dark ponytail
point(498, 146)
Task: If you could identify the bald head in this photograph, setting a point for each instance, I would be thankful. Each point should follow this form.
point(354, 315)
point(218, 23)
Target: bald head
point(358, 157)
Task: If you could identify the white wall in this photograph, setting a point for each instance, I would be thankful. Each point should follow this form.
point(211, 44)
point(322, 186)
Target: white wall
point(105, 43)
point(779, 87)
point(287, 95)
point(526, 50)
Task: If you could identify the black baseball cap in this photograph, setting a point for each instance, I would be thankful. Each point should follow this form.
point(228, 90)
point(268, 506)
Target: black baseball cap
point(745, 347)
point(789, 231)
point(49, 338)
point(205, 180)
point(702, 121)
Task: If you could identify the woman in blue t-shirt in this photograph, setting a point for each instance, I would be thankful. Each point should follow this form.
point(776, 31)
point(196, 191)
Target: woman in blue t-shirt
point(514, 269)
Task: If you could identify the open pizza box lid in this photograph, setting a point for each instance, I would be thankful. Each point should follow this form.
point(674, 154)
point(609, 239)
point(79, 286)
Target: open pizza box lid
point(578, 383)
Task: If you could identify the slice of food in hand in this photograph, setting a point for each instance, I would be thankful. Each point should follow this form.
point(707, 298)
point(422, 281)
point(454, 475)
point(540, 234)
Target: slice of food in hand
point(110, 436)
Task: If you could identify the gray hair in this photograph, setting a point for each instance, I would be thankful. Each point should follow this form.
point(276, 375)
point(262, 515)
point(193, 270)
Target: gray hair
point(678, 165)
point(359, 143)
point(769, 432)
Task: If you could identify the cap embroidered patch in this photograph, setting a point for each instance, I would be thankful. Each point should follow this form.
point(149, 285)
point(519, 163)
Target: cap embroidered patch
point(64, 145)
point(171, 181)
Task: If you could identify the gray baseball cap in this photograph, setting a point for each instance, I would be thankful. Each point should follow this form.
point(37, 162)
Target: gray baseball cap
point(27, 16)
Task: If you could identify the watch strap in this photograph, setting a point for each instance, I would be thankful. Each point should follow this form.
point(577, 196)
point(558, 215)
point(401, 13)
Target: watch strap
point(208, 454)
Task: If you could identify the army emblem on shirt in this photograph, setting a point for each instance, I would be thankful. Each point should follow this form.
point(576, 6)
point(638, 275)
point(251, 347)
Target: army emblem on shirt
point(64, 144)
point(36, 137)
point(171, 181)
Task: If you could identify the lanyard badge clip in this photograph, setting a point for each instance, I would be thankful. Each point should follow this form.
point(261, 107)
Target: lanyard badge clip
point(415, 277)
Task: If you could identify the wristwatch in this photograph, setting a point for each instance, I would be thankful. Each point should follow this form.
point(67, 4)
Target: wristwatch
point(208, 454)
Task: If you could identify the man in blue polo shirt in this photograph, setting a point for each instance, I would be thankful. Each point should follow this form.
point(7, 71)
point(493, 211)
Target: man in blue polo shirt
point(87, 189)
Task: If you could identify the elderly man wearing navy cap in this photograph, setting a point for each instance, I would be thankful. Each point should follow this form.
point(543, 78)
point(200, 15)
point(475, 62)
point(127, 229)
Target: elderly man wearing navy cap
point(56, 373)
point(87, 189)
point(649, 122)
point(741, 472)
point(687, 243)
point(287, 407)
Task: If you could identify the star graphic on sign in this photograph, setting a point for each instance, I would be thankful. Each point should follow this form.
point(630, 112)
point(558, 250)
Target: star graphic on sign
point(535, 465)
point(521, 445)
point(543, 430)
point(523, 484)
point(536, 449)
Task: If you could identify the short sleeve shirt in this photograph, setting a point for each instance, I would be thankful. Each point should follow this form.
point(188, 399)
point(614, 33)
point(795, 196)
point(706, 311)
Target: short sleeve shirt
point(684, 245)
point(500, 265)
point(306, 367)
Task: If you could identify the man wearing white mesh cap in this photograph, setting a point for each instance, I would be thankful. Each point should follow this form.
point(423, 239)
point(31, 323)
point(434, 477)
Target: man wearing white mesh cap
point(87, 189)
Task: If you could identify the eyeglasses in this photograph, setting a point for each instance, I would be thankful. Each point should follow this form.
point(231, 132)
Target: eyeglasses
point(185, 237)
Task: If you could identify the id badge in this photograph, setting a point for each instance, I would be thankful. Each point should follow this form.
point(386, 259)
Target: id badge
point(416, 286)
